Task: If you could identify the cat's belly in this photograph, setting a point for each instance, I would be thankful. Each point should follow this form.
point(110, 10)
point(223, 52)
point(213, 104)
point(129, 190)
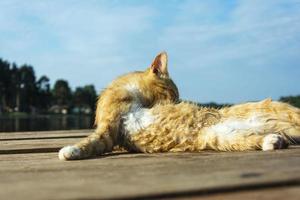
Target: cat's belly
point(231, 126)
point(163, 128)
point(186, 127)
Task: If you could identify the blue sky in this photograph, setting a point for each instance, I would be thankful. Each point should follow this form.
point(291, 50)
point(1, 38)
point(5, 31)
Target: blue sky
point(223, 51)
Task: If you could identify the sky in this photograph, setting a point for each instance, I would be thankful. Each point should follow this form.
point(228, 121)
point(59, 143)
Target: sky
point(219, 51)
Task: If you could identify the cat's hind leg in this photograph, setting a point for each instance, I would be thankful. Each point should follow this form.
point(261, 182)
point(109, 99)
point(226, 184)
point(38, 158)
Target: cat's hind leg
point(273, 141)
point(243, 140)
point(256, 132)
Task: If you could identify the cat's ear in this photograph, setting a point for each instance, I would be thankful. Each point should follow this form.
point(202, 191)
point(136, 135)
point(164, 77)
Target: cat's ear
point(159, 66)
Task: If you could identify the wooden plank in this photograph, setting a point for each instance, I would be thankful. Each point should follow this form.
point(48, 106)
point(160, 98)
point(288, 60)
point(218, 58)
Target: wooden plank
point(38, 142)
point(41, 142)
point(44, 134)
point(131, 176)
point(36, 145)
point(290, 193)
point(43, 176)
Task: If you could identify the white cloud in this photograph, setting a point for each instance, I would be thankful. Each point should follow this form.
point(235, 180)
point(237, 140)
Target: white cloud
point(249, 38)
point(58, 36)
point(225, 51)
point(251, 28)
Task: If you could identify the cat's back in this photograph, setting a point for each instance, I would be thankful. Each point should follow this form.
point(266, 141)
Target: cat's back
point(123, 80)
point(166, 117)
point(266, 108)
point(185, 113)
point(121, 88)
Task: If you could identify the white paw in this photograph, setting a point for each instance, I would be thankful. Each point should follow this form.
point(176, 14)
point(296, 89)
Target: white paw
point(273, 141)
point(69, 153)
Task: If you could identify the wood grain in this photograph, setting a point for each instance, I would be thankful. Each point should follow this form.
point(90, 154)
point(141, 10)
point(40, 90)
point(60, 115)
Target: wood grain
point(209, 175)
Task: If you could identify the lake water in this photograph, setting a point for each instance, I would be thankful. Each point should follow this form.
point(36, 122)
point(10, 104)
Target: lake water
point(46, 123)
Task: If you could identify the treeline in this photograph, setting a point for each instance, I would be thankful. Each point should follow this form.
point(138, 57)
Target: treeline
point(22, 91)
point(293, 100)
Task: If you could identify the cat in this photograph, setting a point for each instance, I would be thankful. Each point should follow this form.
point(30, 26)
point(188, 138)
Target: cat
point(141, 111)
point(141, 89)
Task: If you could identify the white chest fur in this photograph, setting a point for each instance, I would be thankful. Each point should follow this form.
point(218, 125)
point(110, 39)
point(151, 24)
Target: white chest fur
point(137, 119)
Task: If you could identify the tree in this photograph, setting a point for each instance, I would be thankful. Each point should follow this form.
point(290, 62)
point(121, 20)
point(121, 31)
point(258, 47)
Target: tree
point(4, 82)
point(62, 93)
point(26, 95)
point(85, 96)
point(43, 95)
point(14, 88)
point(293, 100)
point(79, 97)
point(21, 91)
point(90, 96)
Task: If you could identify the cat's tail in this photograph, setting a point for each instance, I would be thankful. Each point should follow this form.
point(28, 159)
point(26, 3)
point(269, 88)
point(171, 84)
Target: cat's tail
point(90, 146)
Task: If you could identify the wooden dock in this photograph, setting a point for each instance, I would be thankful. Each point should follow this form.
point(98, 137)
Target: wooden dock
point(30, 169)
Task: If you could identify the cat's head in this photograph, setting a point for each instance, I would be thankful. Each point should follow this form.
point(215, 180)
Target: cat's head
point(158, 82)
point(151, 86)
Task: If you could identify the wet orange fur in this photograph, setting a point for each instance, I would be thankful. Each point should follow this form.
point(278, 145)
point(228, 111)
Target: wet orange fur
point(185, 127)
point(182, 126)
point(154, 85)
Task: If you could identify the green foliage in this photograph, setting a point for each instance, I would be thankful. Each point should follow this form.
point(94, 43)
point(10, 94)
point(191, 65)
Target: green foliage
point(26, 88)
point(62, 92)
point(214, 105)
point(21, 91)
point(43, 95)
point(293, 100)
point(85, 96)
point(4, 82)
point(209, 105)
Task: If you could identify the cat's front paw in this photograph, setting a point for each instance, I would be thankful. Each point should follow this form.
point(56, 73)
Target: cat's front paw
point(69, 153)
point(273, 141)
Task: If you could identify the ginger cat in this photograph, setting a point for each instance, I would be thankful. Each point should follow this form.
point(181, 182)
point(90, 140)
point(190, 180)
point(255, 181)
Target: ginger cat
point(140, 111)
